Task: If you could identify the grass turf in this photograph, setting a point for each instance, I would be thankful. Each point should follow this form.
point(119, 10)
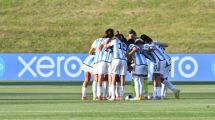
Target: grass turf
point(65, 25)
point(62, 102)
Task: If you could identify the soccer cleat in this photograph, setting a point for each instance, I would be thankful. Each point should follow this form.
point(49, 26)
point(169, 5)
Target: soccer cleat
point(112, 99)
point(99, 98)
point(138, 98)
point(177, 94)
point(84, 98)
point(156, 98)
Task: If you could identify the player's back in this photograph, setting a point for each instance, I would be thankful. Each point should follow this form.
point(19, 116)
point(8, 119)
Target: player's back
point(119, 49)
point(89, 60)
point(138, 56)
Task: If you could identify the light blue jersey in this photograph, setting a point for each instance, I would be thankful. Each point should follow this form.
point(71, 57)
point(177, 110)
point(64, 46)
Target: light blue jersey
point(106, 53)
point(156, 55)
point(96, 45)
point(139, 58)
point(119, 49)
point(89, 60)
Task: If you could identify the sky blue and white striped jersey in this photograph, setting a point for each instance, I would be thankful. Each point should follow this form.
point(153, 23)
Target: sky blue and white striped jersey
point(139, 58)
point(156, 55)
point(119, 49)
point(89, 60)
point(106, 53)
point(168, 59)
point(96, 45)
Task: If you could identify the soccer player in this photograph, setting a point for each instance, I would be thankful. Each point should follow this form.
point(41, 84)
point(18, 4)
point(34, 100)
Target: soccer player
point(119, 65)
point(140, 70)
point(95, 48)
point(167, 84)
point(104, 63)
point(132, 35)
point(154, 52)
point(87, 67)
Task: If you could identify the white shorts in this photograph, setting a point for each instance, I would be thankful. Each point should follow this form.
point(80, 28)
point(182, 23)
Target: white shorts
point(141, 70)
point(167, 71)
point(119, 67)
point(87, 68)
point(104, 68)
point(95, 68)
point(160, 67)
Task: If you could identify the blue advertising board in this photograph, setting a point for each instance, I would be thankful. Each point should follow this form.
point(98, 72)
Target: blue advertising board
point(61, 67)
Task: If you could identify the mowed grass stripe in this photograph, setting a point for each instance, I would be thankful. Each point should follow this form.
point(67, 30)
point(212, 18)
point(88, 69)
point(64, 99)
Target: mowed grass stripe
point(37, 104)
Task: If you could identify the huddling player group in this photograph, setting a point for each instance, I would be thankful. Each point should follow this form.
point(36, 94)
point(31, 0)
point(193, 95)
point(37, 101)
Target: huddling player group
point(111, 56)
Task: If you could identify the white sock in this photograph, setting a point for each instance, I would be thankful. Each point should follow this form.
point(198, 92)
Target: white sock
point(94, 87)
point(109, 90)
point(84, 92)
point(116, 90)
point(165, 91)
point(104, 88)
point(136, 86)
point(162, 89)
point(99, 90)
point(121, 91)
point(154, 94)
point(158, 89)
point(169, 85)
point(141, 85)
point(113, 91)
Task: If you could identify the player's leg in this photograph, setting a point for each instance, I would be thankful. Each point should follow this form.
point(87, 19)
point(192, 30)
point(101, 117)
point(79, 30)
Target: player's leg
point(109, 79)
point(87, 77)
point(141, 84)
point(94, 85)
point(99, 86)
point(104, 87)
point(146, 87)
point(117, 96)
point(145, 81)
point(170, 86)
point(123, 71)
point(109, 85)
point(115, 72)
point(122, 84)
point(136, 86)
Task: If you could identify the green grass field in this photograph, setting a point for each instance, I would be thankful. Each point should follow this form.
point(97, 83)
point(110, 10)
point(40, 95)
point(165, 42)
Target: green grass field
point(68, 25)
point(62, 102)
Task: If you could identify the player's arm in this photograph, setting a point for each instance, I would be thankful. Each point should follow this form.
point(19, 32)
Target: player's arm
point(93, 48)
point(109, 44)
point(134, 49)
point(91, 51)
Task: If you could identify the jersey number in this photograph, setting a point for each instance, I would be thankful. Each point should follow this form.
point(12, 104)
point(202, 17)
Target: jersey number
point(122, 46)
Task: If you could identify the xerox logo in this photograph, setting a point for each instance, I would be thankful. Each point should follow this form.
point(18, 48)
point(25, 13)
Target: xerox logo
point(47, 66)
point(2, 67)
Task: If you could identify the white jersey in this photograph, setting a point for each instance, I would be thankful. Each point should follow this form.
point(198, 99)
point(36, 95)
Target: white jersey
point(139, 58)
point(156, 55)
point(106, 53)
point(119, 49)
point(96, 45)
point(89, 60)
